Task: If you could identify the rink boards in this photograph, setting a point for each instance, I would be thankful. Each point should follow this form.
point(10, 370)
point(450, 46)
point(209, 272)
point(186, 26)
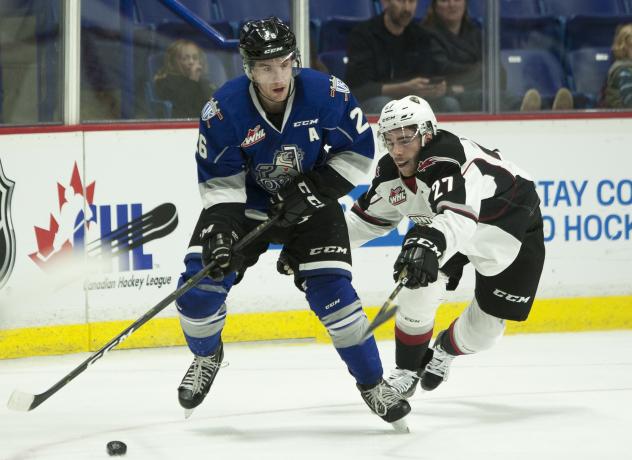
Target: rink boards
point(69, 202)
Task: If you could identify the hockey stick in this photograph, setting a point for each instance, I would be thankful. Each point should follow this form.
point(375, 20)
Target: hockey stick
point(25, 401)
point(388, 310)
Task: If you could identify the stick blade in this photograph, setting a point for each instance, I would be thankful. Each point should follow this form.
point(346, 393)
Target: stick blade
point(21, 401)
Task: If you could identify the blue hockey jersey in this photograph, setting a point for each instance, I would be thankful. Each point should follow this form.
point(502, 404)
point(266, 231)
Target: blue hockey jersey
point(243, 158)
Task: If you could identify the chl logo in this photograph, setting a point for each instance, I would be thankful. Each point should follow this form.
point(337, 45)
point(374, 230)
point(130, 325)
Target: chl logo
point(79, 218)
point(7, 233)
point(511, 297)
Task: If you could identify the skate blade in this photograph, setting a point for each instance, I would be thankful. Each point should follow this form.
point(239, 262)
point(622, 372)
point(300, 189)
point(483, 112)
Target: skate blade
point(188, 413)
point(401, 425)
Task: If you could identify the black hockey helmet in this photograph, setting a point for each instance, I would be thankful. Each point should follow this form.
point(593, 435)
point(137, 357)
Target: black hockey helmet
point(266, 39)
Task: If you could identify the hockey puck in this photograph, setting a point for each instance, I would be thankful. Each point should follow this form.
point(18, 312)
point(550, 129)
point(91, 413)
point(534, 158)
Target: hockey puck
point(116, 448)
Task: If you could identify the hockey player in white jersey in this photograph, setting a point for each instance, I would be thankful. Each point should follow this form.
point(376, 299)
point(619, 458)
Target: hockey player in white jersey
point(467, 204)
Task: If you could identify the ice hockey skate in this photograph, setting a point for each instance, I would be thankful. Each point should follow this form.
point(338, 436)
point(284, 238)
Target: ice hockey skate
point(404, 381)
point(198, 380)
point(387, 403)
point(438, 368)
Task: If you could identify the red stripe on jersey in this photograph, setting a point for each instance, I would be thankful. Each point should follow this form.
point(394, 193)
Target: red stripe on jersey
point(469, 215)
point(408, 339)
point(366, 217)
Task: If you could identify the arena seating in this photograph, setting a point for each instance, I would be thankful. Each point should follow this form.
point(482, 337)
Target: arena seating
point(567, 41)
point(537, 69)
point(588, 69)
point(508, 8)
point(543, 32)
point(336, 62)
point(570, 8)
point(592, 31)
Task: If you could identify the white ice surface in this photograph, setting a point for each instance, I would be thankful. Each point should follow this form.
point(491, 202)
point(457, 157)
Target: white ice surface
point(541, 396)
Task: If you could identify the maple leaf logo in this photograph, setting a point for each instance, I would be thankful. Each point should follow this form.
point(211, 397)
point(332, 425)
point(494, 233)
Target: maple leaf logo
point(55, 241)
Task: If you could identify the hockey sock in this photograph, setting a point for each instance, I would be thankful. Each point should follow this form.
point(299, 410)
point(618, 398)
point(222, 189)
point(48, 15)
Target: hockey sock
point(410, 349)
point(363, 362)
point(203, 346)
point(446, 341)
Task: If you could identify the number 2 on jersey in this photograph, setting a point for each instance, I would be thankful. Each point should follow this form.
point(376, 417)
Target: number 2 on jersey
point(358, 115)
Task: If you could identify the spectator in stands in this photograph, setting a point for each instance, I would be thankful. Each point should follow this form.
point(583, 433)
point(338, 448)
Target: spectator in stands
point(618, 90)
point(456, 48)
point(182, 79)
point(389, 58)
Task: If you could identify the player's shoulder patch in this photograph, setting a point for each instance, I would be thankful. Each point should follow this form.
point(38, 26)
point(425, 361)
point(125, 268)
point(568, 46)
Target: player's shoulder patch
point(445, 149)
point(336, 85)
point(211, 109)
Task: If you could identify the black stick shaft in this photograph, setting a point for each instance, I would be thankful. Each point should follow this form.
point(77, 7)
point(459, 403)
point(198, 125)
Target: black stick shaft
point(384, 313)
point(190, 283)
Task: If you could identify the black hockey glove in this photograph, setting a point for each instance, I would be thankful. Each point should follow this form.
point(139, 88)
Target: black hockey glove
point(288, 265)
point(297, 201)
point(419, 256)
point(285, 263)
point(217, 247)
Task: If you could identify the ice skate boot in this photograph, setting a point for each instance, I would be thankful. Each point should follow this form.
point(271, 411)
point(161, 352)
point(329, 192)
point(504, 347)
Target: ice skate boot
point(387, 403)
point(438, 368)
point(404, 381)
point(198, 380)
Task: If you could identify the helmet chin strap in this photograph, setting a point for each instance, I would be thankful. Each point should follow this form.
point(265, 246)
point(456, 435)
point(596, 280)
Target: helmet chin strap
point(260, 94)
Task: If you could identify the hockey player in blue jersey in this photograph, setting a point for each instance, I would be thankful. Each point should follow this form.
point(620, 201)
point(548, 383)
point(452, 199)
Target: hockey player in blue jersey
point(261, 152)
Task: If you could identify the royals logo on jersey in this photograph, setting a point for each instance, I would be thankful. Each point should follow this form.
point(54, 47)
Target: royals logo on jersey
point(337, 85)
point(210, 110)
point(397, 195)
point(287, 164)
point(7, 234)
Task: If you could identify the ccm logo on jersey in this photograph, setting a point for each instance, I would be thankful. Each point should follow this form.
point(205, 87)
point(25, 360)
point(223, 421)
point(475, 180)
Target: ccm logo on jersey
point(327, 250)
point(511, 297)
point(254, 135)
point(298, 124)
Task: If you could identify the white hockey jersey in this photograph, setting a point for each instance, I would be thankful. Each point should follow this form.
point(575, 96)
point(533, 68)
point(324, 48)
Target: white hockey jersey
point(481, 203)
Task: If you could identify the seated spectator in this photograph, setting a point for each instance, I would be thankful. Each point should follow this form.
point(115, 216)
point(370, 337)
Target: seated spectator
point(389, 58)
point(457, 50)
point(618, 90)
point(182, 79)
